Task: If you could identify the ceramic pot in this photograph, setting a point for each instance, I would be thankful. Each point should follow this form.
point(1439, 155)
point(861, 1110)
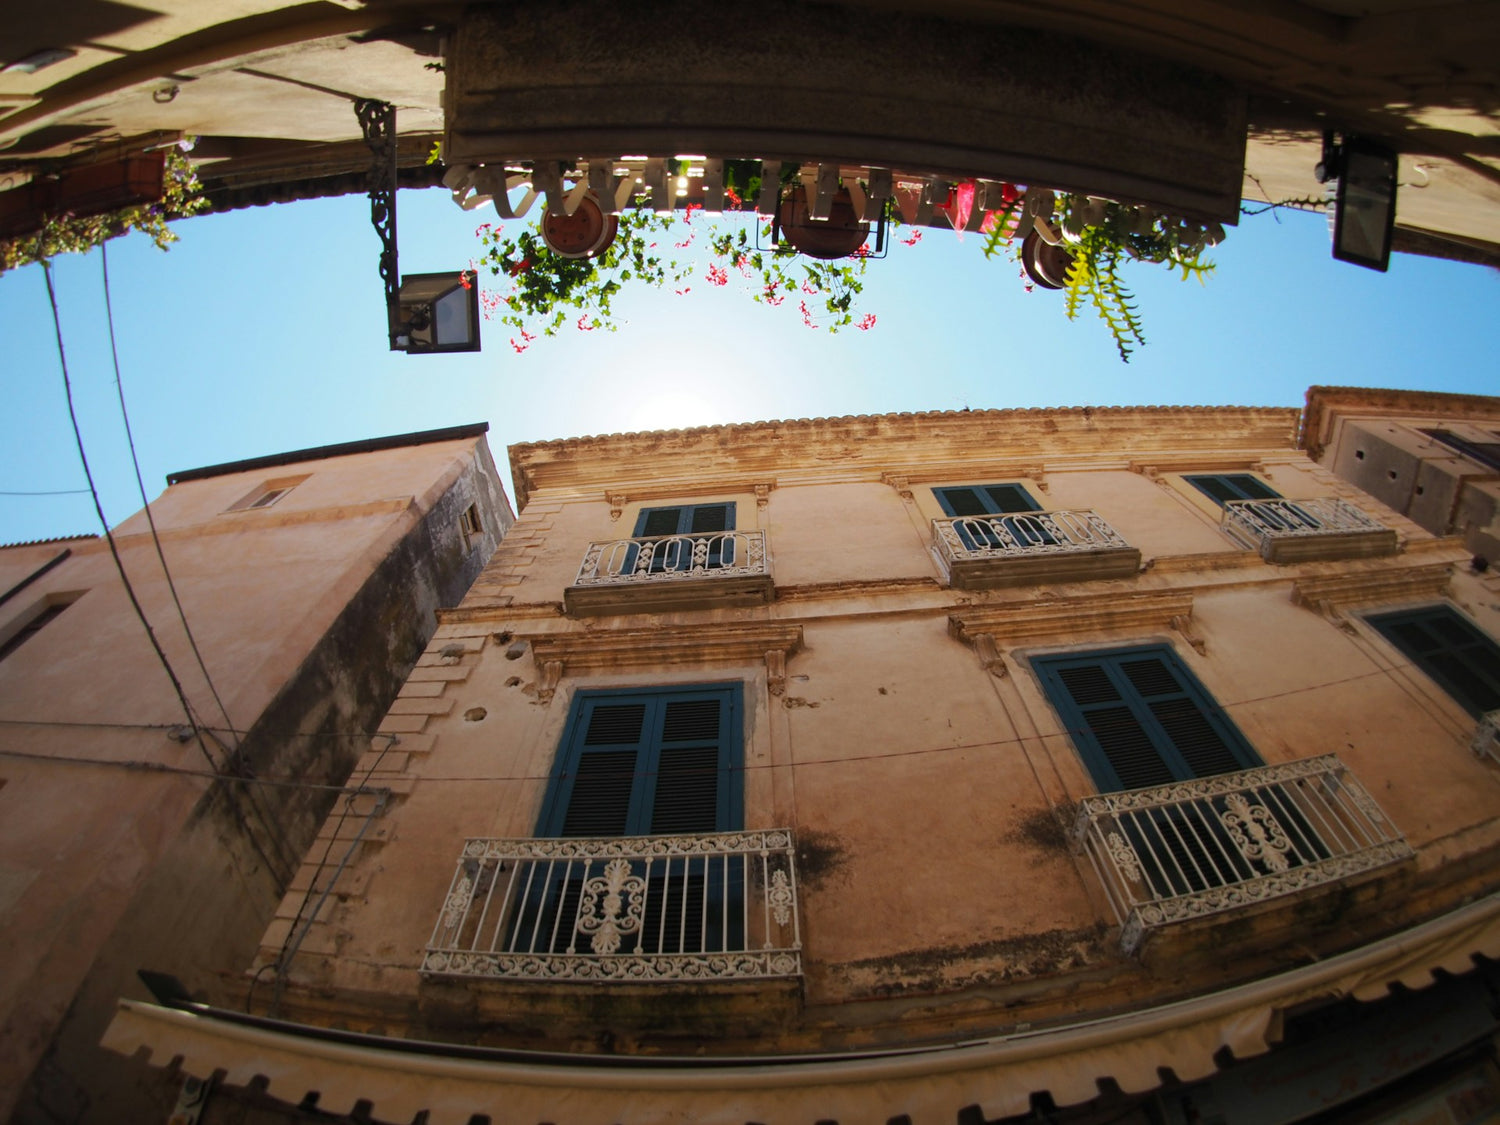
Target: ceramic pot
point(837, 236)
point(1045, 264)
point(586, 233)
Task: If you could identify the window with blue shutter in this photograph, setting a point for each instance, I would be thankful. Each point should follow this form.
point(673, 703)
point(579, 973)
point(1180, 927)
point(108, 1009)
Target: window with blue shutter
point(981, 511)
point(702, 521)
point(1463, 660)
point(649, 762)
point(1223, 487)
point(1140, 718)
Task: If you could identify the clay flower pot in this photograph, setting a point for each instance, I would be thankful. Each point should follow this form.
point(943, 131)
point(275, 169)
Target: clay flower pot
point(586, 233)
point(837, 236)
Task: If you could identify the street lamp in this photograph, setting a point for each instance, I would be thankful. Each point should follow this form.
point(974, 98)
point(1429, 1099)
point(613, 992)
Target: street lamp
point(426, 312)
point(1364, 209)
point(436, 312)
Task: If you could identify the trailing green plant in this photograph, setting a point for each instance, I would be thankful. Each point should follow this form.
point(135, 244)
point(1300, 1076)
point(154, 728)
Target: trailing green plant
point(545, 291)
point(1102, 235)
point(64, 233)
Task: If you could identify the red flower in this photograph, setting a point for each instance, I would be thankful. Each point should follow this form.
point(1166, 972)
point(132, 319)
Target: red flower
point(806, 316)
point(866, 323)
point(718, 275)
point(916, 237)
point(584, 325)
point(484, 228)
point(466, 279)
point(1009, 193)
point(520, 267)
point(519, 347)
point(733, 196)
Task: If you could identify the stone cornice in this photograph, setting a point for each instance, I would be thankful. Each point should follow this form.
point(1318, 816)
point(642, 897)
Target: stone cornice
point(1334, 595)
point(1142, 610)
point(605, 650)
point(870, 444)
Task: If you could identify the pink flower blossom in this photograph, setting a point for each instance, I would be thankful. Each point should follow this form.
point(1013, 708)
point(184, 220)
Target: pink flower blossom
point(584, 325)
point(717, 275)
point(733, 196)
point(483, 229)
point(519, 347)
point(866, 322)
point(806, 316)
point(916, 237)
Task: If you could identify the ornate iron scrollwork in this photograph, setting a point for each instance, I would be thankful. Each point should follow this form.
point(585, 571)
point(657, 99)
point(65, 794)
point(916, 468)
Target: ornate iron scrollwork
point(377, 122)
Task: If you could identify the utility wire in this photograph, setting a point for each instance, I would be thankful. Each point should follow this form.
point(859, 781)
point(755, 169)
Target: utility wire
point(187, 708)
point(108, 534)
point(114, 352)
point(852, 759)
point(54, 492)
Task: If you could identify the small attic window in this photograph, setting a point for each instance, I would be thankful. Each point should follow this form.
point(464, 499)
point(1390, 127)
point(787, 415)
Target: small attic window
point(266, 494)
point(470, 526)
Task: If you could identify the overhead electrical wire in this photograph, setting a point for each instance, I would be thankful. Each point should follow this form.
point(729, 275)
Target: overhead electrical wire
point(187, 708)
point(108, 534)
point(114, 352)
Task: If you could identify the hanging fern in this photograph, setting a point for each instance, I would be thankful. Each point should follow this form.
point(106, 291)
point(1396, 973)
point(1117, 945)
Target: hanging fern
point(1122, 232)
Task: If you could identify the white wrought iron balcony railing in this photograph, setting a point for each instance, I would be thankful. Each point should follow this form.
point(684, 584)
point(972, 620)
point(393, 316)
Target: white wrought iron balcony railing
point(1018, 547)
point(1215, 844)
point(717, 906)
point(673, 572)
point(674, 558)
point(1284, 527)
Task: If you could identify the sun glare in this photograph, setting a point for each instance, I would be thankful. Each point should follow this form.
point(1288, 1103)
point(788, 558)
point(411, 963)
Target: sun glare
point(673, 409)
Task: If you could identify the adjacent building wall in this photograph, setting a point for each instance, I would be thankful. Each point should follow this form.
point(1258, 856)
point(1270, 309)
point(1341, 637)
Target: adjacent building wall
point(120, 851)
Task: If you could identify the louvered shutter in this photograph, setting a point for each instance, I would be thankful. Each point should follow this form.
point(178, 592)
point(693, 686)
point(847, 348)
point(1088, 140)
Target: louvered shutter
point(1458, 655)
point(1140, 718)
point(985, 500)
point(710, 517)
point(658, 521)
point(1223, 487)
point(654, 762)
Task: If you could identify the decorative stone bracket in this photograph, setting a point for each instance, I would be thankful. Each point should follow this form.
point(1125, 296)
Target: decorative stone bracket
point(616, 650)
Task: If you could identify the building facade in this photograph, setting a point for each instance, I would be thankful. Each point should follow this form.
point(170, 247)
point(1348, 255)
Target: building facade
point(1107, 764)
point(136, 833)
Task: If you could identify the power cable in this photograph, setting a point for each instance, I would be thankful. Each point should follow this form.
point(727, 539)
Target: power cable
point(54, 492)
point(108, 534)
point(187, 709)
point(114, 352)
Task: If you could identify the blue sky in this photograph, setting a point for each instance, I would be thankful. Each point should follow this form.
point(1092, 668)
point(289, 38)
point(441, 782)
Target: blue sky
point(263, 331)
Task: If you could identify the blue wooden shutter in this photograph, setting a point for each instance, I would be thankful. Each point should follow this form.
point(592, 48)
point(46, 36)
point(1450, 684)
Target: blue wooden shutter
point(653, 762)
point(985, 499)
point(1223, 487)
point(1462, 659)
point(685, 519)
point(1140, 718)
